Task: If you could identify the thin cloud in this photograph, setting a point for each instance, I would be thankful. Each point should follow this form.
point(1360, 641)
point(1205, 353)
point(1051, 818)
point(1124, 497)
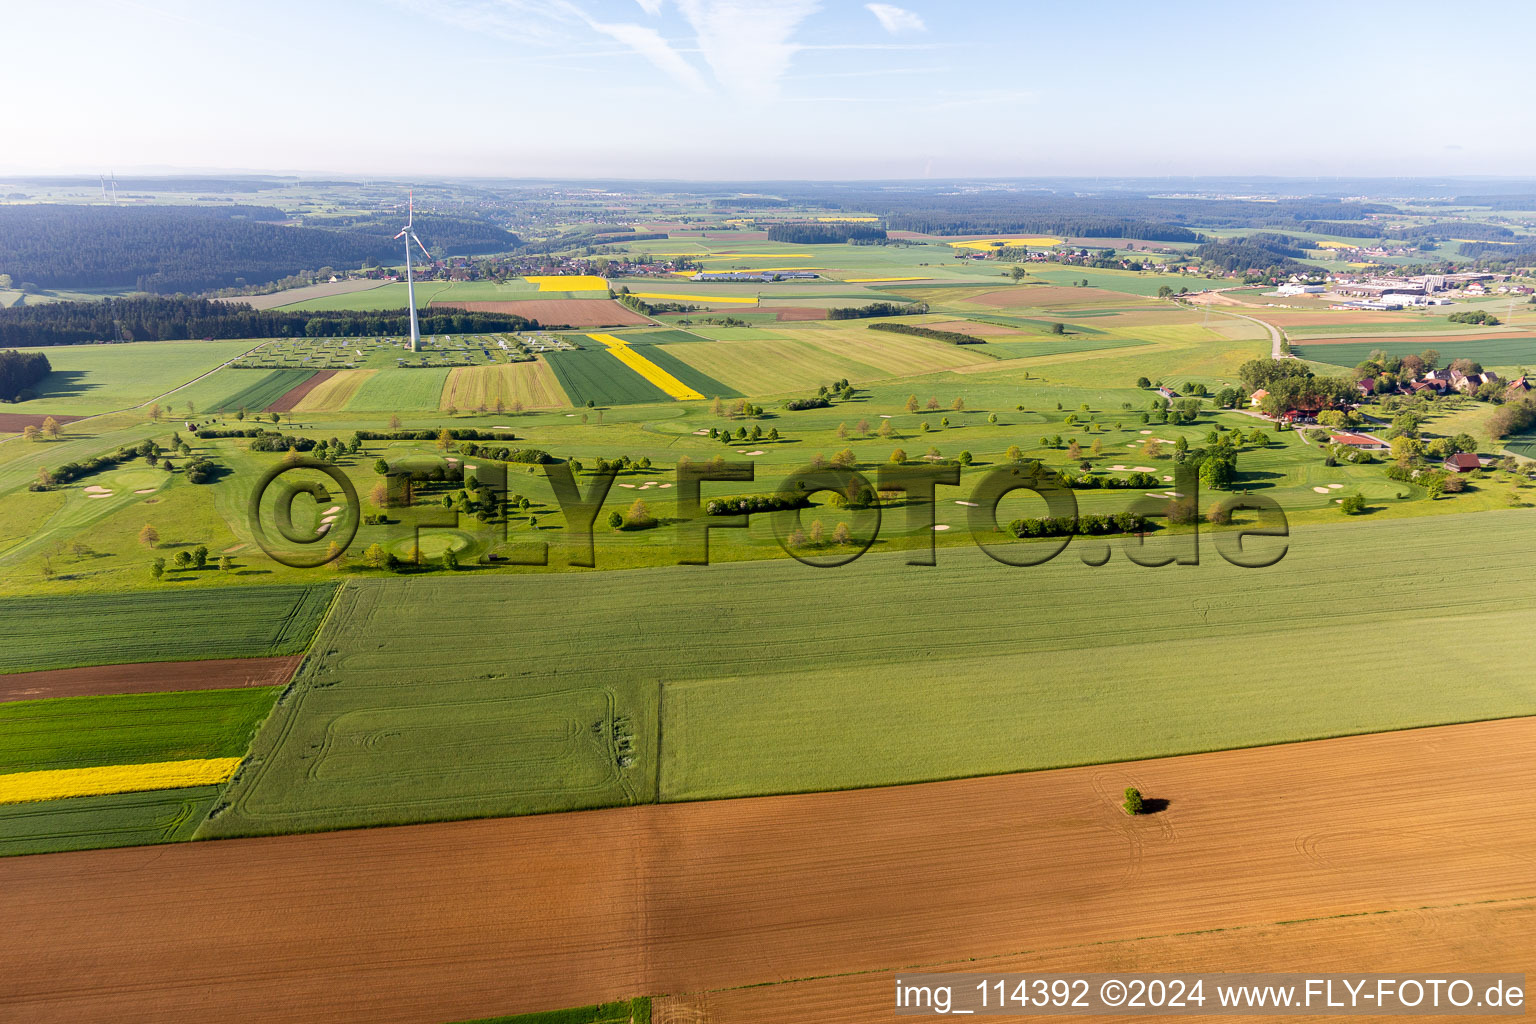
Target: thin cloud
point(747, 44)
point(651, 7)
point(648, 43)
point(896, 20)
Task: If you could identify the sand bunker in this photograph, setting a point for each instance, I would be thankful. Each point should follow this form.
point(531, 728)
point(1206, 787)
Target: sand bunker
point(1118, 468)
point(665, 486)
point(1335, 487)
point(941, 527)
point(1163, 440)
point(1141, 469)
point(1146, 431)
point(1321, 490)
point(334, 509)
point(1167, 479)
point(97, 489)
point(702, 432)
point(147, 490)
point(967, 504)
point(758, 452)
point(630, 486)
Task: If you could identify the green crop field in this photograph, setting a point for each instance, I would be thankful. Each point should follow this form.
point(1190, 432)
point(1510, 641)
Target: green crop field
point(700, 382)
point(416, 389)
point(629, 1011)
point(412, 713)
point(371, 735)
point(1491, 350)
point(90, 822)
point(1044, 347)
point(260, 389)
point(139, 728)
point(596, 375)
point(112, 629)
point(91, 379)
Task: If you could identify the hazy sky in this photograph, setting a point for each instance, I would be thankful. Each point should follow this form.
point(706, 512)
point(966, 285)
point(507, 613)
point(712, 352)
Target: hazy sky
point(774, 89)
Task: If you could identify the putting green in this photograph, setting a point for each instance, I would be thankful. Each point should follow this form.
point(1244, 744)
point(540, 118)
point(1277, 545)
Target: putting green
point(434, 543)
point(136, 479)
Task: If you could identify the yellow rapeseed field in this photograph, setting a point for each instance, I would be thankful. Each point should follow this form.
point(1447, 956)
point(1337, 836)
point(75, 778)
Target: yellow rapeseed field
point(584, 283)
point(24, 787)
point(672, 297)
point(989, 243)
point(847, 220)
point(647, 369)
point(1337, 245)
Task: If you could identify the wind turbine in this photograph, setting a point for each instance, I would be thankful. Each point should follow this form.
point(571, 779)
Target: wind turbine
point(410, 285)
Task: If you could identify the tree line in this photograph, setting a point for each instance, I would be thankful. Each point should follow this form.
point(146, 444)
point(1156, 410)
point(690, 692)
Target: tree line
point(154, 318)
point(824, 234)
point(20, 372)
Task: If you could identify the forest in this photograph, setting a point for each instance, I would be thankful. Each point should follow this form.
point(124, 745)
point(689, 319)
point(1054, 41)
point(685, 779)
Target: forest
point(443, 234)
point(19, 371)
point(1260, 251)
point(1148, 218)
point(171, 249)
point(174, 319)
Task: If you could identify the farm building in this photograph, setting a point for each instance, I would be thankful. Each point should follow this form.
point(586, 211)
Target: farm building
point(1360, 442)
point(1258, 397)
point(1168, 393)
point(1518, 388)
point(1463, 462)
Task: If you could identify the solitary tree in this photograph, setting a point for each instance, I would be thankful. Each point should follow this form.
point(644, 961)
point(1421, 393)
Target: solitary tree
point(886, 430)
point(911, 403)
point(1133, 802)
point(51, 427)
point(226, 563)
point(840, 534)
point(157, 568)
point(149, 536)
point(958, 405)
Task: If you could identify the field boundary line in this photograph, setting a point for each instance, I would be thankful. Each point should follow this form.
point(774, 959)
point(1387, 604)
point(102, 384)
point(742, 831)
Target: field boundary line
point(219, 803)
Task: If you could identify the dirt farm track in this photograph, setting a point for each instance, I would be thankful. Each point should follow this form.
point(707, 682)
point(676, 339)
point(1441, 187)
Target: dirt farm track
point(1427, 832)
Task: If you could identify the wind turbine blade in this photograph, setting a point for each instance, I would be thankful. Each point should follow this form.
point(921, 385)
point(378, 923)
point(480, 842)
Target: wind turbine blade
point(423, 248)
point(401, 234)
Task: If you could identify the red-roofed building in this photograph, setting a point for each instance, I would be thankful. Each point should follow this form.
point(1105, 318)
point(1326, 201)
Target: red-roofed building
point(1362, 442)
point(1258, 397)
point(1463, 462)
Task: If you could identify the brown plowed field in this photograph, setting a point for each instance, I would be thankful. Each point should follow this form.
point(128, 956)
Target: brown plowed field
point(16, 422)
point(149, 677)
point(296, 394)
point(791, 313)
point(469, 919)
point(559, 312)
point(1342, 317)
point(1501, 935)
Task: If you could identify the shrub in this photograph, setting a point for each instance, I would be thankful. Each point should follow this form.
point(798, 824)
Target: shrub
point(1133, 804)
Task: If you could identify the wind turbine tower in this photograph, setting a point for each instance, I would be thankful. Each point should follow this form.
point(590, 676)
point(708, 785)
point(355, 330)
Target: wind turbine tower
point(410, 285)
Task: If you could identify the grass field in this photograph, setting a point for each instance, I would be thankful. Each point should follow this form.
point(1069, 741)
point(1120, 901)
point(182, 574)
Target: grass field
point(107, 629)
point(88, 732)
point(259, 389)
point(595, 375)
point(367, 738)
point(335, 393)
point(122, 819)
point(1020, 669)
point(393, 296)
point(1491, 350)
point(395, 390)
point(91, 379)
point(532, 383)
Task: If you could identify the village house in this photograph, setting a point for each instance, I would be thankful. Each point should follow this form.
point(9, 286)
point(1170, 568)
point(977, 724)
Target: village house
point(1257, 398)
